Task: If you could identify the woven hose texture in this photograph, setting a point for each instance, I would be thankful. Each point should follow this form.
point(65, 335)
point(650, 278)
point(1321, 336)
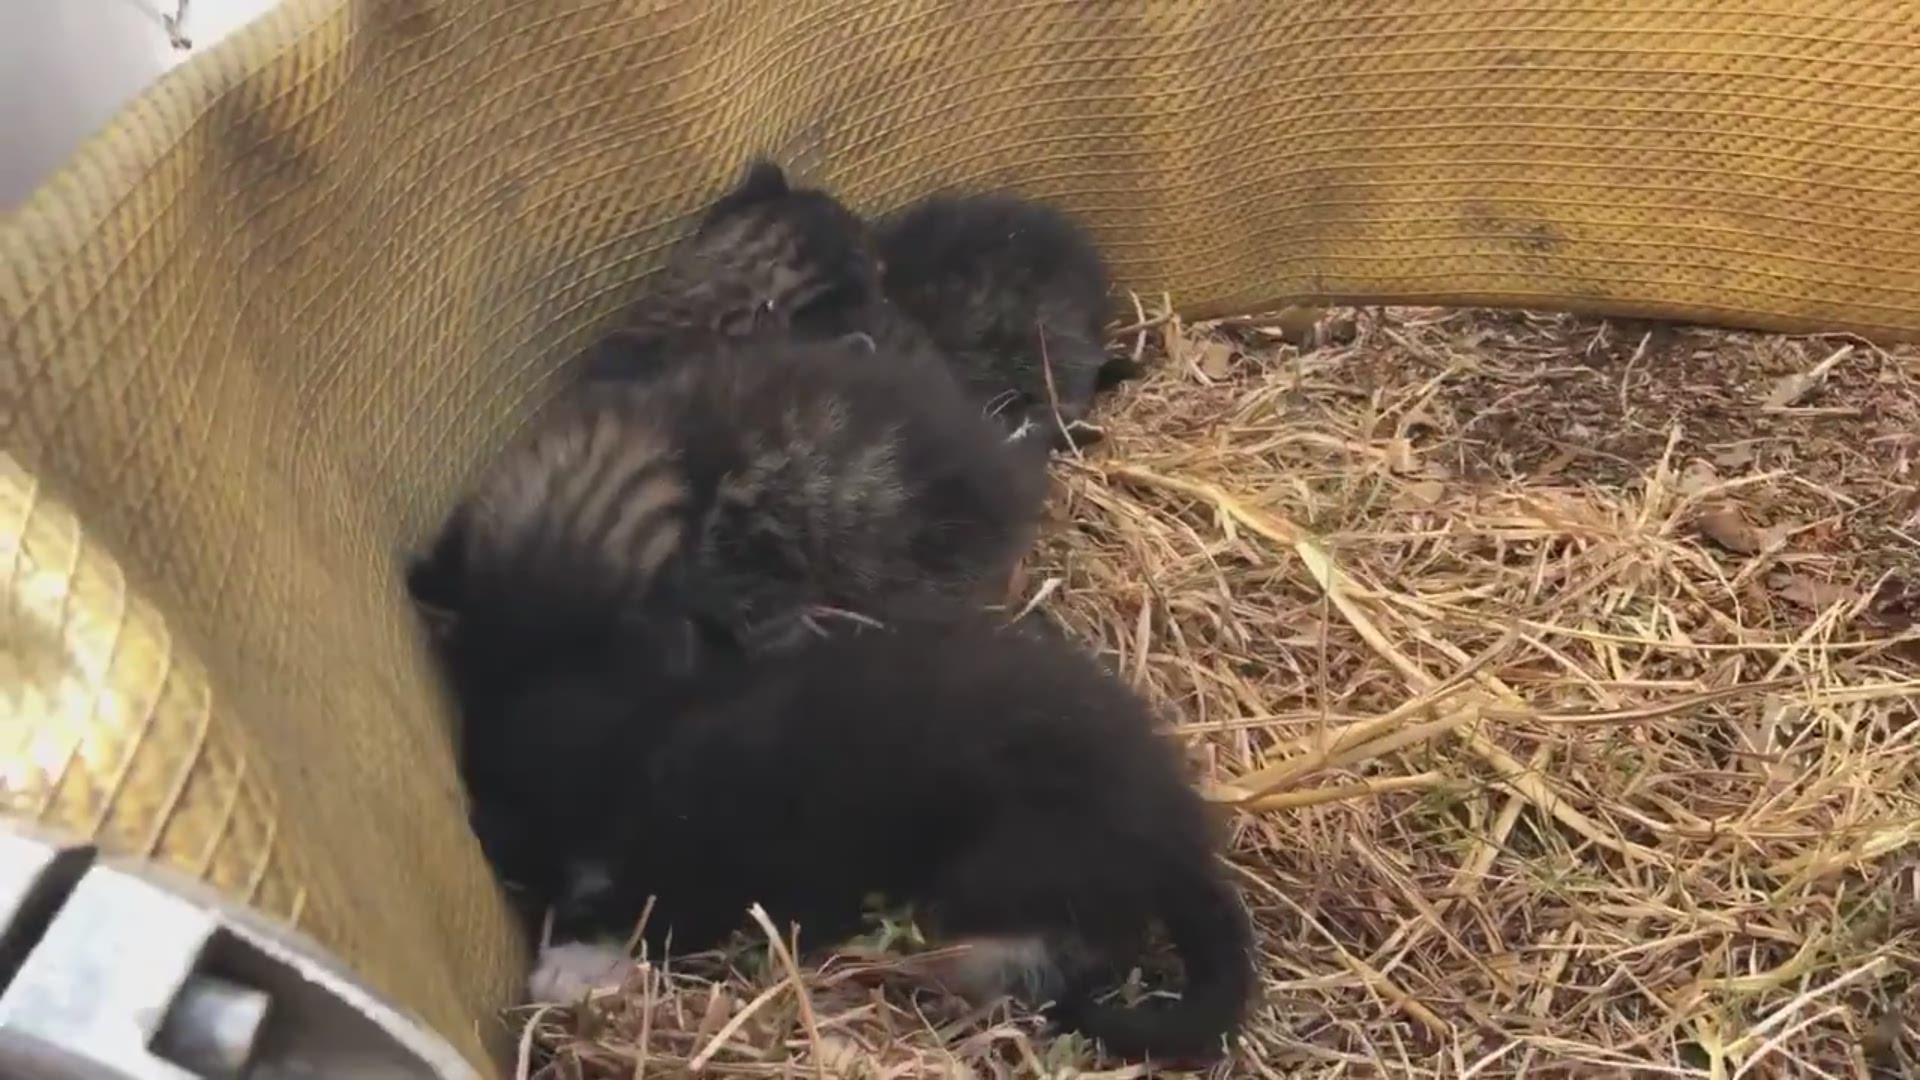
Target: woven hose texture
point(261, 327)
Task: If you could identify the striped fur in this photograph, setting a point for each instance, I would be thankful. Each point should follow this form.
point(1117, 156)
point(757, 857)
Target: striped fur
point(642, 527)
point(767, 258)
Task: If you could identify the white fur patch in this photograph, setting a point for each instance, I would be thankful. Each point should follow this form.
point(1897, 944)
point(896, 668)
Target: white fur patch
point(986, 968)
point(567, 973)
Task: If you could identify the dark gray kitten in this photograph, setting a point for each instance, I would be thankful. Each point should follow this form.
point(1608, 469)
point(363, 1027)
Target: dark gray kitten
point(756, 481)
point(766, 258)
point(718, 509)
point(1012, 292)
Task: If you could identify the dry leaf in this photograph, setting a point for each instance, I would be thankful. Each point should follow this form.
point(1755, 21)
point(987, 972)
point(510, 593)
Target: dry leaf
point(1399, 454)
point(1697, 477)
point(1812, 593)
point(1790, 389)
point(1726, 526)
point(719, 1010)
point(1559, 461)
point(1761, 738)
point(1735, 457)
point(1419, 494)
point(1215, 360)
point(1299, 325)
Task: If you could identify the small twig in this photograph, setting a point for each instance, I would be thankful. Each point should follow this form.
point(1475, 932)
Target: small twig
point(1053, 396)
point(1645, 712)
point(1790, 390)
point(785, 955)
point(1293, 800)
point(1785, 1012)
point(1047, 588)
point(1370, 975)
point(1139, 330)
point(639, 925)
point(523, 1064)
point(644, 1051)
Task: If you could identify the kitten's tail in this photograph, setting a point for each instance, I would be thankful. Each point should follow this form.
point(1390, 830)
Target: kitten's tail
point(1214, 937)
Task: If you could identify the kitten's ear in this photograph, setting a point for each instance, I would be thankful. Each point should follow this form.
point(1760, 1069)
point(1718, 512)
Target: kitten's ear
point(764, 180)
point(435, 579)
point(763, 183)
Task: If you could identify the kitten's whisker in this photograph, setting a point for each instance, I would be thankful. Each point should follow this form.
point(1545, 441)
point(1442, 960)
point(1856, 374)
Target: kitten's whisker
point(825, 611)
point(1001, 402)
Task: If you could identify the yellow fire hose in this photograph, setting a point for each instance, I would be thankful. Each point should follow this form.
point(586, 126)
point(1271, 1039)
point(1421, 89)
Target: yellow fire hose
point(257, 330)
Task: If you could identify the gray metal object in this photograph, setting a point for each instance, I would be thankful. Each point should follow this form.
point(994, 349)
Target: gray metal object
point(118, 971)
point(213, 1027)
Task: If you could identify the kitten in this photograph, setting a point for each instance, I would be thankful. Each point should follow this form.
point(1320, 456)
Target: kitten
point(996, 778)
point(1011, 291)
point(758, 480)
point(765, 258)
point(645, 527)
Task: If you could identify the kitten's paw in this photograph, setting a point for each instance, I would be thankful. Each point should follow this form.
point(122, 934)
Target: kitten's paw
point(567, 973)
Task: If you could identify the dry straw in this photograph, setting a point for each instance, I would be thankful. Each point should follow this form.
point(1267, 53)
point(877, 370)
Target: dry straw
point(1565, 676)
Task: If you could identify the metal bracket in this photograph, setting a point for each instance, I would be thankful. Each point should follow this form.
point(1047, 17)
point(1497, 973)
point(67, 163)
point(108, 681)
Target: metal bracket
point(116, 970)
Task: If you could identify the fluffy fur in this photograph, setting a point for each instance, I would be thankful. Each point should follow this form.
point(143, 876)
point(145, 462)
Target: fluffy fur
point(644, 527)
point(1015, 793)
point(1009, 290)
point(766, 258)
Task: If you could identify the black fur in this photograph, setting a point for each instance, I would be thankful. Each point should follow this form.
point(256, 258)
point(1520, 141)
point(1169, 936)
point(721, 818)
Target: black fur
point(1009, 290)
point(995, 778)
point(766, 258)
point(646, 527)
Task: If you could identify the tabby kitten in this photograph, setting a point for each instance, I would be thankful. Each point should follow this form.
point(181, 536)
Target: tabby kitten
point(766, 259)
point(722, 508)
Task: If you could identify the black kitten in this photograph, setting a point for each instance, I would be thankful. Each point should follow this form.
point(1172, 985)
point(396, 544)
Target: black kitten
point(997, 779)
point(766, 258)
point(1012, 291)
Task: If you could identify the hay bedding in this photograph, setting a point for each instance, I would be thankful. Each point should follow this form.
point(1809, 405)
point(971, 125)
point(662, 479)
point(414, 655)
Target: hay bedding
point(1567, 673)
